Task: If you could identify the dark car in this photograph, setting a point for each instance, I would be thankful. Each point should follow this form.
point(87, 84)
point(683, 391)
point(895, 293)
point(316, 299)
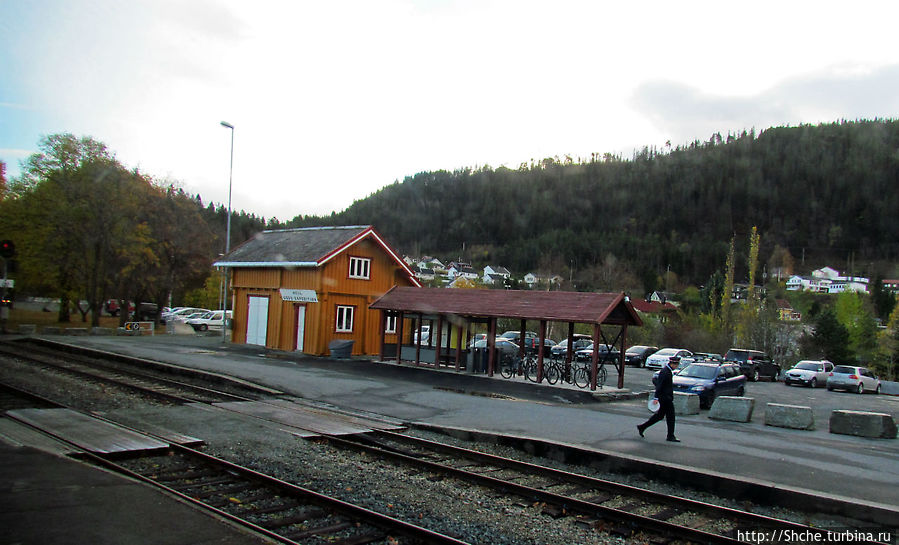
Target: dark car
point(753, 363)
point(636, 355)
point(708, 381)
point(606, 354)
point(503, 346)
point(580, 342)
point(531, 344)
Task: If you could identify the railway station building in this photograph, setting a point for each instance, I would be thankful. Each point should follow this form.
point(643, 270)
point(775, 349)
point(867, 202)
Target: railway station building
point(302, 289)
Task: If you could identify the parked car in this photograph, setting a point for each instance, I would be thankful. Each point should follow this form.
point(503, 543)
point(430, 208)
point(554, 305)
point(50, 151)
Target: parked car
point(708, 381)
point(811, 373)
point(515, 336)
point(425, 334)
point(703, 357)
point(660, 358)
point(503, 346)
point(208, 320)
point(606, 354)
point(853, 379)
point(113, 307)
point(636, 355)
point(184, 313)
point(579, 343)
point(531, 344)
point(754, 363)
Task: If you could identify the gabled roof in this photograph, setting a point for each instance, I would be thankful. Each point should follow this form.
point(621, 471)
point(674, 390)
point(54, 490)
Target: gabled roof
point(306, 247)
point(642, 305)
point(566, 306)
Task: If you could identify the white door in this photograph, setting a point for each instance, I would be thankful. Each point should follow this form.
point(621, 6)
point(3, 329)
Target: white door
point(301, 326)
point(257, 320)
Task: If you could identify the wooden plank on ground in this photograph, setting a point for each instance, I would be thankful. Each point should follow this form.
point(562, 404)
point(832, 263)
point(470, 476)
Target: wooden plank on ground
point(351, 419)
point(91, 434)
point(18, 434)
point(297, 416)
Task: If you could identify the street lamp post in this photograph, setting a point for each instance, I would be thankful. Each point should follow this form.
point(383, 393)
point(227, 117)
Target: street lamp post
point(227, 235)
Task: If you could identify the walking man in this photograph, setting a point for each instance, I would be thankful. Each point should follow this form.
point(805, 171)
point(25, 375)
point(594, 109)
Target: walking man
point(665, 395)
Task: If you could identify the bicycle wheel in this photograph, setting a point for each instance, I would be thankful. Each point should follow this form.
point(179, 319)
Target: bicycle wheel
point(552, 373)
point(506, 367)
point(581, 377)
point(530, 368)
point(601, 376)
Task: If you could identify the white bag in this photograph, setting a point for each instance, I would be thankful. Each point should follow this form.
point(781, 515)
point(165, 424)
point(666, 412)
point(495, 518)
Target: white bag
point(653, 404)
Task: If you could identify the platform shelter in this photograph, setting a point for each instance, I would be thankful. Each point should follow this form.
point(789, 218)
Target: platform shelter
point(456, 310)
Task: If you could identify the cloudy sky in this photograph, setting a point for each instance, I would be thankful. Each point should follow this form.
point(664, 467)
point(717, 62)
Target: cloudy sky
point(332, 100)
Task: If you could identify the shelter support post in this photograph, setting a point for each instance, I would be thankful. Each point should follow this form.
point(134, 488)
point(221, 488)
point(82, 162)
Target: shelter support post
point(399, 337)
point(418, 341)
point(491, 346)
point(439, 352)
point(381, 352)
point(459, 347)
point(621, 357)
point(540, 339)
point(595, 369)
point(521, 338)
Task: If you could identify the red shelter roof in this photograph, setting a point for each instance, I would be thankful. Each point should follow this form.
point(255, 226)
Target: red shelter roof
point(562, 306)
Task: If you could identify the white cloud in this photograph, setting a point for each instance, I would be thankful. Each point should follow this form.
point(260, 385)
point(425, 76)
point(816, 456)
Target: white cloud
point(333, 100)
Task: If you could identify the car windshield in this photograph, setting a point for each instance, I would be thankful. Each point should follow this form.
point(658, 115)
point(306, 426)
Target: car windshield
point(637, 349)
point(844, 369)
point(666, 352)
point(808, 366)
point(699, 371)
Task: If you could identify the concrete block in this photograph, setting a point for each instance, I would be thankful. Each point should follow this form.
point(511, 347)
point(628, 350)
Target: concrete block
point(732, 408)
point(102, 331)
point(863, 424)
point(50, 330)
point(686, 403)
point(27, 329)
point(794, 417)
point(77, 331)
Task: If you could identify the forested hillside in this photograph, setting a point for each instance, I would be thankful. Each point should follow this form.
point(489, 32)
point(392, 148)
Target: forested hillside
point(826, 193)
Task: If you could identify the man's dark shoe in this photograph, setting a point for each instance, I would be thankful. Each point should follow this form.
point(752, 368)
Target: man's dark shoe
point(673, 439)
point(640, 430)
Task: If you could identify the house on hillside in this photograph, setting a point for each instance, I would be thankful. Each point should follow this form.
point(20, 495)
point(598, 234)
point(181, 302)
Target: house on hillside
point(656, 308)
point(786, 312)
point(495, 275)
point(301, 289)
point(891, 285)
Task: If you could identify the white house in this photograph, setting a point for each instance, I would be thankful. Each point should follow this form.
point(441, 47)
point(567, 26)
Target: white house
point(826, 272)
point(495, 275)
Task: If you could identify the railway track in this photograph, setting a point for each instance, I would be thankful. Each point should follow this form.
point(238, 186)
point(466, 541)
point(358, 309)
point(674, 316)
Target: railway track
point(608, 506)
point(96, 369)
point(620, 509)
point(272, 507)
point(267, 505)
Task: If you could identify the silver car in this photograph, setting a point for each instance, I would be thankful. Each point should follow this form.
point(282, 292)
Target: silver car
point(813, 373)
point(853, 379)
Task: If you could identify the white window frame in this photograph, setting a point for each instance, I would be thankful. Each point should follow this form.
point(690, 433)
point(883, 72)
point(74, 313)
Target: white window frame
point(360, 267)
point(390, 327)
point(344, 315)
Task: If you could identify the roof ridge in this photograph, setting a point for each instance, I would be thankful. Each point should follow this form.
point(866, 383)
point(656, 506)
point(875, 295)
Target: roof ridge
point(333, 228)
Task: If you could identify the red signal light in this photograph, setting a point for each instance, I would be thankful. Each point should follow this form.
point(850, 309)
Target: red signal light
point(7, 248)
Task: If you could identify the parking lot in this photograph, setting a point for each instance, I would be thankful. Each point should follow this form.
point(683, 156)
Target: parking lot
point(820, 400)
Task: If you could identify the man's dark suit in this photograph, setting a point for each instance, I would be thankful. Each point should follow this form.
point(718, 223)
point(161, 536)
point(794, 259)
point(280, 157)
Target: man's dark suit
point(665, 395)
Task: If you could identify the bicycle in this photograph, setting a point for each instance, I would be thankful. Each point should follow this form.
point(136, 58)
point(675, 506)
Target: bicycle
point(579, 372)
point(513, 364)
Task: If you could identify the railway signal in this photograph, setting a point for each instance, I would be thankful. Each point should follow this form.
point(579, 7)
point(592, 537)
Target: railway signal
point(7, 249)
